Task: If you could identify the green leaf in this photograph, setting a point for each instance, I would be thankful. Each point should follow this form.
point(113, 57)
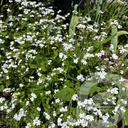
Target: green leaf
point(77, 51)
point(73, 23)
point(125, 118)
point(68, 83)
point(88, 88)
point(1, 87)
point(32, 66)
point(121, 33)
point(114, 40)
point(65, 94)
point(111, 77)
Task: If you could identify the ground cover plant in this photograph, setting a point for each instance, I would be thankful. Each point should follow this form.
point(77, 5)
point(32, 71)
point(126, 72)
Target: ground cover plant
point(55, 73)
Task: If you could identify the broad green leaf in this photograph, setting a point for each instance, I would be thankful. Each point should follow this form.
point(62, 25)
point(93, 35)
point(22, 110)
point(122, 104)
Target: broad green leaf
point(65, 94)
point(125, 117)
point(114, 40)
point(68, 83)
point(88, 88)
point(111, 77)
point(73, 23)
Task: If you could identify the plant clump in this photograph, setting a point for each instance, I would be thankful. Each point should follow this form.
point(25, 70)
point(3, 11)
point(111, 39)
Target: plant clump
point(56, 73)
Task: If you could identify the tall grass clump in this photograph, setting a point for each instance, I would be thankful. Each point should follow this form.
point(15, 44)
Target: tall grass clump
point(56, 73)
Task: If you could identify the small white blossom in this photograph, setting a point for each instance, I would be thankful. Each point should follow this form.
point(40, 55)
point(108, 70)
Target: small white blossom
point(64, 109)
point(114, 56)
point(84, 62)
point(48, 92)
point(38, 109)
point(89, 117)
point(75, 61)
point(36, 121)
point(47, 116)
point(28, 125)
point(80, 77)
point(2, 99)
point(33, 95)
point(67, 46)
point(114, 91)
point(75, 97)
point(57, 101)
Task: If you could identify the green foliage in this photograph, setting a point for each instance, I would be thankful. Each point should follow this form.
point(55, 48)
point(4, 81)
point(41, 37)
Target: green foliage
point(54, 73)
point(65, 94)
point(73, 23)
point(89, 88)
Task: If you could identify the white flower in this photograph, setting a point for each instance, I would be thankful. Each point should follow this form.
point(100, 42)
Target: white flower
point(90, 48)
point(84, 62)
point(90, 28)
point(121, 79)
point(105, 121)
point(38, 109)
point(18, 1)
point(115, 22)
point(61, 54)
point(17, 117)
point(48, 92)
point(75, 61)
point(82, 115)
point(80, 77)
point(33, 95)
point(105, 103)
point(28, 125)
point(122, 109)
point(88, 55)
point(47, 116)
point(57, 100)
point(111, 47)
point(32, 99)
point(67, 46)
point(59, 120)
point(36, 121)
point(89, 117)
point(21, 114)
point(116, 109)
point(121, 72)
point(27, 102)
point(114, 91)
point(102, 74)
point(81, 26)
point(124, 101)
point(90, 101)
point(84, 124)
point(2, 99)
point(52, 125)
point(21, 85)
point(119, 26)
point(75, 97)
point(56, 90)
point(88, 18)
point(64, 109)
point(54, 113)
point(7, 90)
point(80, 104)
point(114, 56)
